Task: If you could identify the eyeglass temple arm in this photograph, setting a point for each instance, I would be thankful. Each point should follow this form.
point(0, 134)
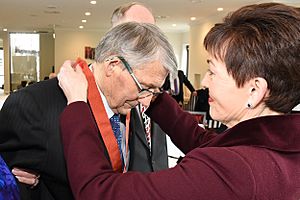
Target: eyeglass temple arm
point(130, 71)
point(126, 64)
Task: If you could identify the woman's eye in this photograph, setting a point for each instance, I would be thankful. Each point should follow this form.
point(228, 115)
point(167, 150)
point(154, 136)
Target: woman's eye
point(210, 72)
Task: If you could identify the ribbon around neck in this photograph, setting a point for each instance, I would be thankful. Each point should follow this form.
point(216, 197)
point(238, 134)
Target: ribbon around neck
point(101, 118)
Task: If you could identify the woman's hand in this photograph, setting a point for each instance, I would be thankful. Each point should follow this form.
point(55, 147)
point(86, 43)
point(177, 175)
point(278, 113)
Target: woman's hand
point(26, 176)
point(73, 82)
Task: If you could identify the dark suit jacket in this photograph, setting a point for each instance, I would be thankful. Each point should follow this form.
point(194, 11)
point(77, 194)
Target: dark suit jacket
point(140, 157)
point(255, 159)
point(30, 138)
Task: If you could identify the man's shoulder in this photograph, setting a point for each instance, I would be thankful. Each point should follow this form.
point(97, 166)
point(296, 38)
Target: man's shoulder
point(42, 88)
point(47, 84)
point(40, 92)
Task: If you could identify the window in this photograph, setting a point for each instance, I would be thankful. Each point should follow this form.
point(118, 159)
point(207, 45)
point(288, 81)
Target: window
point(24, 51)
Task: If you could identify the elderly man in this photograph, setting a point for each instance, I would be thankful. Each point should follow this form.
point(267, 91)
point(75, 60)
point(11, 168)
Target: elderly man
point(30, 132)
point(147, 140)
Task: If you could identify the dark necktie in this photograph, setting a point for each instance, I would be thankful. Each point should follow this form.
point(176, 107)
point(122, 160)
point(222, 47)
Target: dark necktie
point(115, 124)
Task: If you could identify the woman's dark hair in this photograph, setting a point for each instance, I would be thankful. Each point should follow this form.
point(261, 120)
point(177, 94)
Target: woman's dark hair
point(262, 40)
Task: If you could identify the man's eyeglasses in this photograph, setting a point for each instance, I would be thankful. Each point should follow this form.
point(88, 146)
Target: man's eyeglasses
point(143, 92)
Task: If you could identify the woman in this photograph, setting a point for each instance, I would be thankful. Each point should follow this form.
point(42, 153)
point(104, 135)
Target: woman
point(253, 81)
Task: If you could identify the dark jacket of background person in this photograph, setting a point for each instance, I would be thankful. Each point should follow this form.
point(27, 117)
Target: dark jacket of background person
point(30, 139)
point(248, 161)
point(182, 80)
point(202, 102)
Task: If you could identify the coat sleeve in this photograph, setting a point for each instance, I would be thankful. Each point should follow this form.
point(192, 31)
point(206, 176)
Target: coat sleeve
point(181, 126)
point(196, 177)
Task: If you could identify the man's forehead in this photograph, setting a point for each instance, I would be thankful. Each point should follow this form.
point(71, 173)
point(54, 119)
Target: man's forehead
point(152, 73)
point(155, 66)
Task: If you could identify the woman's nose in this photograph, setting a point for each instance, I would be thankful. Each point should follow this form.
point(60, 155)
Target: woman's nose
point(204, 81)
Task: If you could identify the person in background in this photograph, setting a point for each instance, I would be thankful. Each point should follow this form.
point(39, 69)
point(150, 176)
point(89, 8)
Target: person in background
point(52, 75)
point(178, 94)
point(254, 83)
point(30, 117)
point(132, 12)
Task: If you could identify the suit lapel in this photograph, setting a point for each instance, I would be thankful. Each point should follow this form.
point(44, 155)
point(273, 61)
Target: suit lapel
point(138, 127)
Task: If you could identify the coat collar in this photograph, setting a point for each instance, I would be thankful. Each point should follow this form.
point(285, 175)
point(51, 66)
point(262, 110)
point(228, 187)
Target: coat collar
point(279, 133)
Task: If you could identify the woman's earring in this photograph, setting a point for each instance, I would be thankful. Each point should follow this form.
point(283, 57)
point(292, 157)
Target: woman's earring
point(249, 105)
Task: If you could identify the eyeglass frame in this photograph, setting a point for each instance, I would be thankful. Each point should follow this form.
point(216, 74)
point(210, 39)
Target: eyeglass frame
point(142, 90)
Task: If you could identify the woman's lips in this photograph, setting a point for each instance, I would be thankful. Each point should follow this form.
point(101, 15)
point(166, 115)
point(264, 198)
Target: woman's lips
point(210, 100)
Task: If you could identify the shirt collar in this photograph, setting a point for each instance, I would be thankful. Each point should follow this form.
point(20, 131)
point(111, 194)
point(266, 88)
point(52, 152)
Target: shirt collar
point(108, 110)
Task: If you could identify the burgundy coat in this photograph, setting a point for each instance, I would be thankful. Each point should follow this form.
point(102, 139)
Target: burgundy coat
point(256, 159)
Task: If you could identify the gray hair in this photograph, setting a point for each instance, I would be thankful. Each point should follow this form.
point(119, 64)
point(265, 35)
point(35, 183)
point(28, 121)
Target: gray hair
point(139, 44)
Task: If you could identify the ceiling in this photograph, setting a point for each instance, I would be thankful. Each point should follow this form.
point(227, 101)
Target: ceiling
point(47, 15)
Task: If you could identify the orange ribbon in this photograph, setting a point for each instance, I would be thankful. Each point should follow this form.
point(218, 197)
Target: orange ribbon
point(102, 120)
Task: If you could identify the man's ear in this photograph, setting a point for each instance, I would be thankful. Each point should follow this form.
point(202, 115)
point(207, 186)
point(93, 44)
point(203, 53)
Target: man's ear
point(110, 66)
point(258, 91)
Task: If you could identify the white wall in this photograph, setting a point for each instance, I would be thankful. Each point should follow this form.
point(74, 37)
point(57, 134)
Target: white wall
point(46, 54)
point(70, 44)
point(178, 41)
point(198, 55)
